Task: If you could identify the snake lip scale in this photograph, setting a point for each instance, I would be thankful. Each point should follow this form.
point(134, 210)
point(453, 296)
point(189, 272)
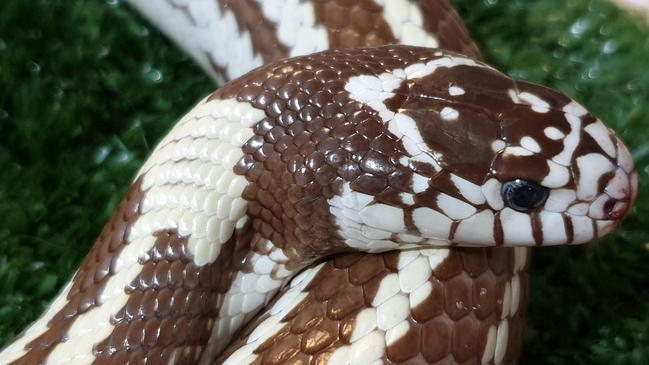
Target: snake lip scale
point(364, 190)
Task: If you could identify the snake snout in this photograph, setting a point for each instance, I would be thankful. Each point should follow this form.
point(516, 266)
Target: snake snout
point(607, 182)
point(623, 186)
point(625, 162)
point(615, 210)
point(621, 191)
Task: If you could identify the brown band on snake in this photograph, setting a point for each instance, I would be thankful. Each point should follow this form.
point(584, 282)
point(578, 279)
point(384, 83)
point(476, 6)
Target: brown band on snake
point(441, 330)
point(443, 21)
point(353, 24)
point(89, 281)
point(172, 303)
point(263, 32)
point(148, 327)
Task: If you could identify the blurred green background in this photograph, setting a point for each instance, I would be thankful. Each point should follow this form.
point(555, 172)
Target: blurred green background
point(88, 87)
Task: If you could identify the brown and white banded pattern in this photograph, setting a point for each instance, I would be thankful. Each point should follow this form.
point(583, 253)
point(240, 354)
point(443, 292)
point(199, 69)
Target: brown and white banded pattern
point(231, 37)
point(358, 150)
point(430, 306)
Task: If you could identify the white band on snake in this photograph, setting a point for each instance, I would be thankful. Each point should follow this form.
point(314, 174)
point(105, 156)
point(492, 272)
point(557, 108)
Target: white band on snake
point(353, 206)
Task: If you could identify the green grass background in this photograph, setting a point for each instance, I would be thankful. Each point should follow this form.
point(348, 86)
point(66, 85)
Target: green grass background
point(88, 87)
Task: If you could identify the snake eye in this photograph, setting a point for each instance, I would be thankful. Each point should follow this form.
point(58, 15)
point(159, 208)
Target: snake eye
point(523, 195)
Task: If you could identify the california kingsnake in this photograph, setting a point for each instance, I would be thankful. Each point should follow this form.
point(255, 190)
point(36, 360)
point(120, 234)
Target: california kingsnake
point(339, 151)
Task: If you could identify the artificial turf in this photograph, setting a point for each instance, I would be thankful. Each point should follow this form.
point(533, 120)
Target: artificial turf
point(87, 88)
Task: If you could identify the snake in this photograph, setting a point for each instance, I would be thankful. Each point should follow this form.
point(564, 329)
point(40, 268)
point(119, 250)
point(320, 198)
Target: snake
point(362, 189)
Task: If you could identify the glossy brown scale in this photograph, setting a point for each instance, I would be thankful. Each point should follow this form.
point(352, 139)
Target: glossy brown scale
point(353, 24)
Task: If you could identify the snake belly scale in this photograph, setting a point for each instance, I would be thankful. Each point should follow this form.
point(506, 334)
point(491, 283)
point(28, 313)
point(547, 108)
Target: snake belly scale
point(343, 207)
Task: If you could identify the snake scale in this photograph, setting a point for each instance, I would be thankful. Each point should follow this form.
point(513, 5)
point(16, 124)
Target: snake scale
point(367, 194)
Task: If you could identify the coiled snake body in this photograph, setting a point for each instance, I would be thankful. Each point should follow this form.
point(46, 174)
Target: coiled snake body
point(354, 206)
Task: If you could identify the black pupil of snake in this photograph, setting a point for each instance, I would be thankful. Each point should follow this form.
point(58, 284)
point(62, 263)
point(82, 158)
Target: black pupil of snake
point(523, 195)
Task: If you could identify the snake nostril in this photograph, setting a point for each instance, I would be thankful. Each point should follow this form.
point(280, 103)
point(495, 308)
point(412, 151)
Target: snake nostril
point(609, 206)
point(614, 210)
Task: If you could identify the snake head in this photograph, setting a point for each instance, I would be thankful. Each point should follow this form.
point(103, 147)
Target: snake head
point(561, 166)
point(487, 160)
